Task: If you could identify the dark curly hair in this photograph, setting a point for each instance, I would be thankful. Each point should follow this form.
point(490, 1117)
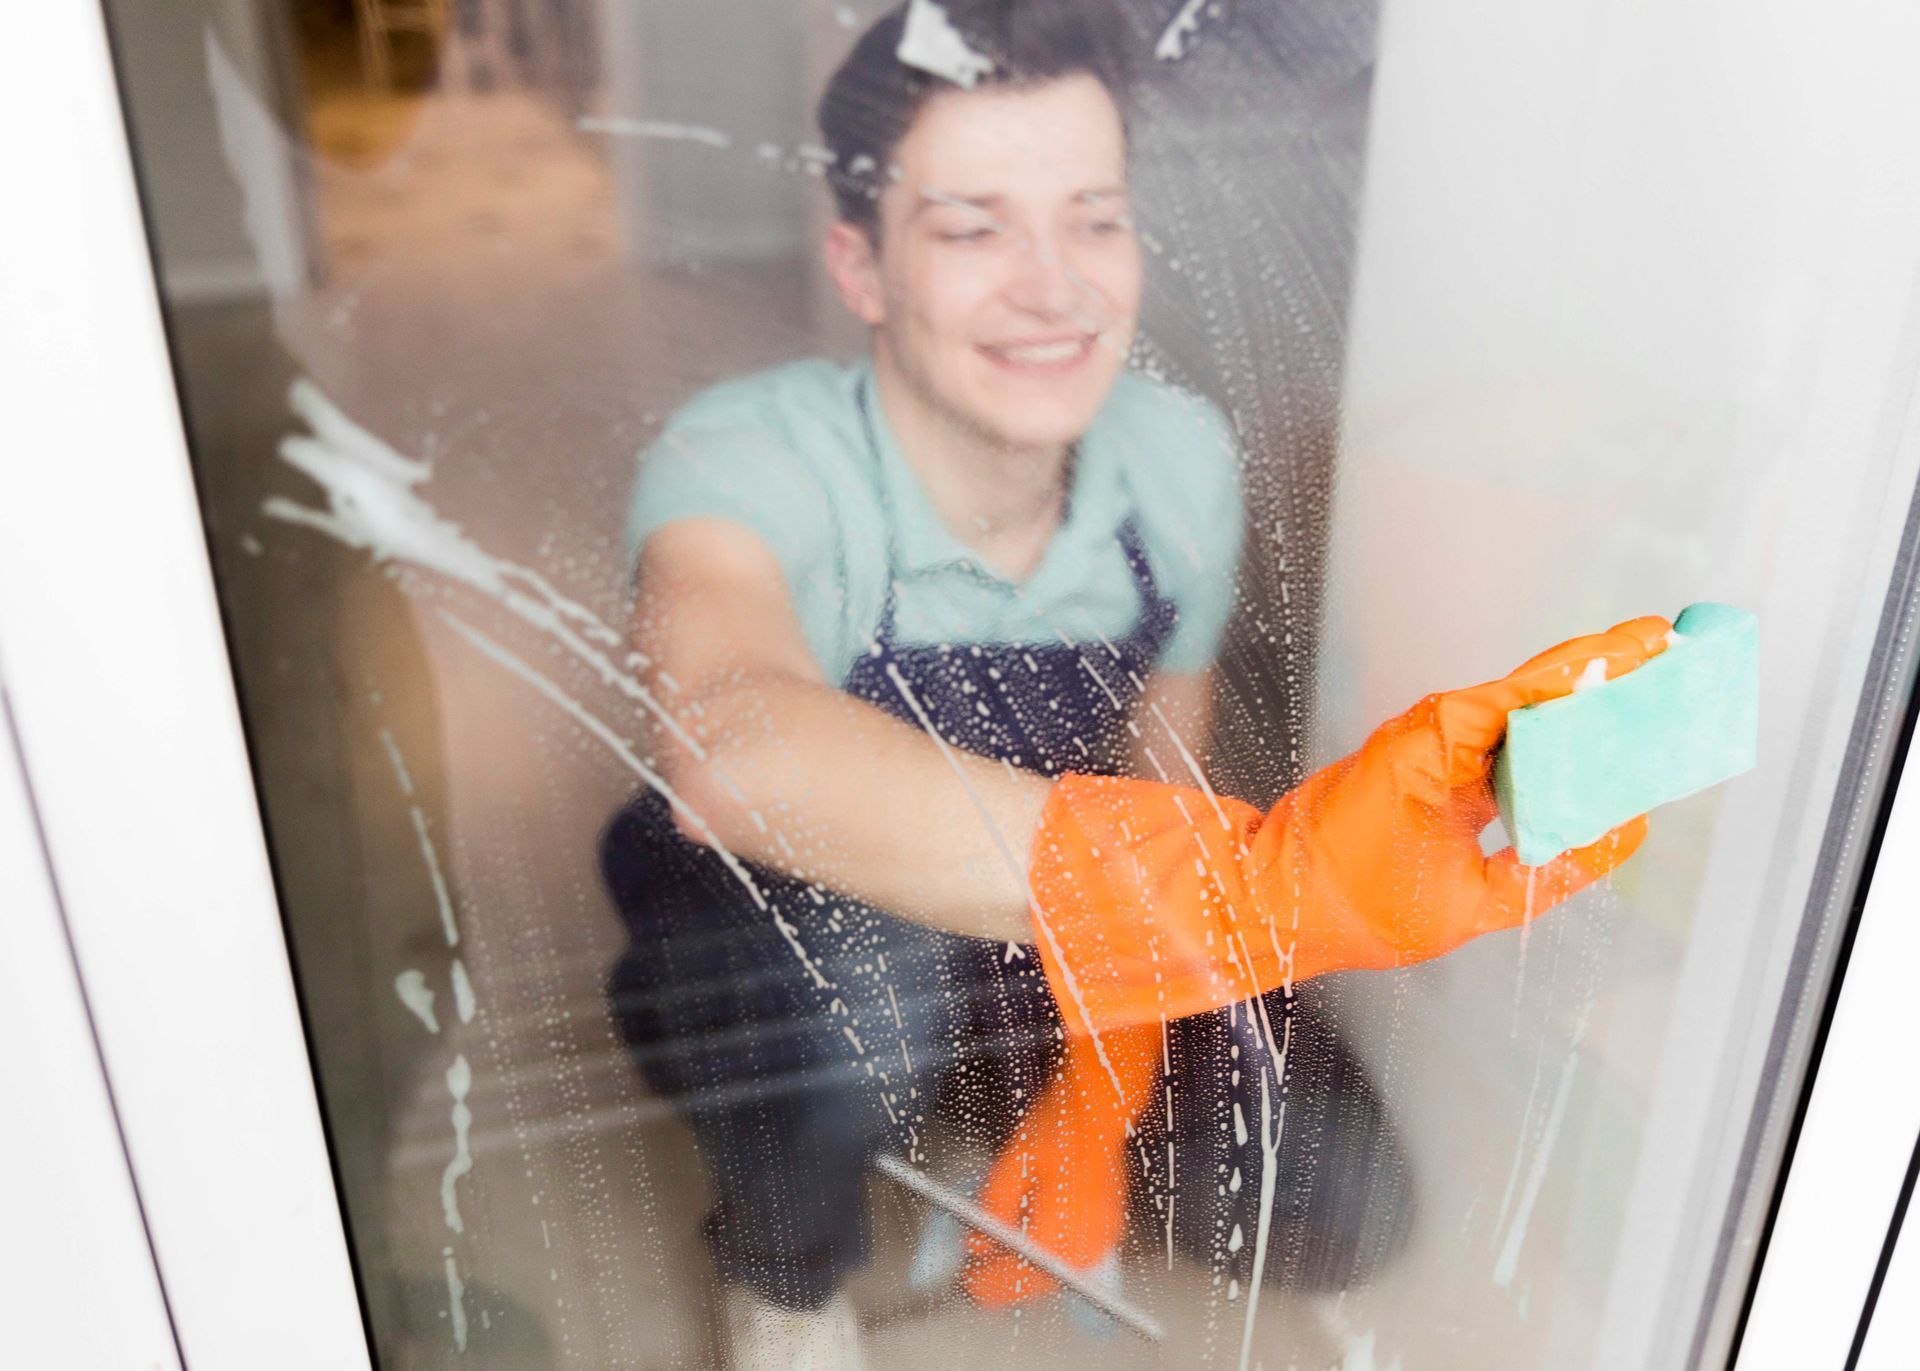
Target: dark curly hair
point(872, 99)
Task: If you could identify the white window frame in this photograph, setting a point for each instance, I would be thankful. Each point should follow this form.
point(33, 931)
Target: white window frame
point(123, 700)
point(74, 1241)
point(130, 737)
point(1857, 1135)
point(1888, 1340)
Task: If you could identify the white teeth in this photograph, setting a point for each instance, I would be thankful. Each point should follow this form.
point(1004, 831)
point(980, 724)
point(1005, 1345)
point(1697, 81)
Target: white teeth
point(1041, 354)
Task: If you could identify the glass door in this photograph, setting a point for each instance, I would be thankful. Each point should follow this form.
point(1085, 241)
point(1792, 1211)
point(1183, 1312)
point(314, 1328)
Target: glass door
point(573, 569)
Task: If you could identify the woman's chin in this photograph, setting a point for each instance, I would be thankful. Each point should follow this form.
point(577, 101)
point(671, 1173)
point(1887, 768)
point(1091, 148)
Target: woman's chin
point(1041, 422)
point(1040, 438)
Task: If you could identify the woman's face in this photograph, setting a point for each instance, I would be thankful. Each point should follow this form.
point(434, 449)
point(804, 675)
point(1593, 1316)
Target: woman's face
point(1006, 280)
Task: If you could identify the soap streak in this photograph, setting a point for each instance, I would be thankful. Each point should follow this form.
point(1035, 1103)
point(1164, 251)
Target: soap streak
point(664, 129)
point(456, 1303)
point(1509, 1259)
point(459, 1082)
point(1269, 1150)
point(1508, 1262)
point(463, 999)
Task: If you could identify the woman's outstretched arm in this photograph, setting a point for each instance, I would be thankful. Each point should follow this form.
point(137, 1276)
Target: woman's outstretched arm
point(786, 770)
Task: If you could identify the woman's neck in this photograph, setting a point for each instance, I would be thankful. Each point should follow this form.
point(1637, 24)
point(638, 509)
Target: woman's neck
point(1004, 502)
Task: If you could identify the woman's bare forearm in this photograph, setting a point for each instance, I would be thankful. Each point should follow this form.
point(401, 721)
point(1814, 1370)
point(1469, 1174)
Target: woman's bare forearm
point(1172, 732)
point(804, 778)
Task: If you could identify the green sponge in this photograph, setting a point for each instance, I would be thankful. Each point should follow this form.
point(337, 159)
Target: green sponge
point(1572, 769)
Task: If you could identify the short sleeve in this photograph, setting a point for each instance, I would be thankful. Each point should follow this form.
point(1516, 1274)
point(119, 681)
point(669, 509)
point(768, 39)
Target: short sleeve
point(747, 474)
point(1192, 512)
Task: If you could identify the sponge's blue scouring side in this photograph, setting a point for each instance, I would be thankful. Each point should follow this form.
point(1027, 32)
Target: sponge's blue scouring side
point(1573, 768)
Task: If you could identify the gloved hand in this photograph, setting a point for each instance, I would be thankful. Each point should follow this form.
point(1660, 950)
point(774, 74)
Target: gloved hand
point(1153, 902)
point(1062, 1177)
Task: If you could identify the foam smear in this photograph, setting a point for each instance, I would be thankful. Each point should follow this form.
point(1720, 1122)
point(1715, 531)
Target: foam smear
point(372, 505)
point(931, 43)
point(1179, 30)
point(411, 986)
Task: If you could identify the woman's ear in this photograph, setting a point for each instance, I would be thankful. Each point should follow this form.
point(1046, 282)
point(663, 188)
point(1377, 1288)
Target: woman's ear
point(854, 263)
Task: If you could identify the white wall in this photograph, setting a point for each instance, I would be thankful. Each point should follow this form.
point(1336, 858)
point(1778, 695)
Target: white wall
point(1637, 323)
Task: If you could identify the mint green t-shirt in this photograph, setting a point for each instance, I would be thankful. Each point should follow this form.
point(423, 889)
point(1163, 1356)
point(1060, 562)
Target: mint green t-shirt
point(786, 453)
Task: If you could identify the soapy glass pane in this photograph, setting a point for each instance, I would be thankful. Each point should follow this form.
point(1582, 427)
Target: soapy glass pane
point(440, 276)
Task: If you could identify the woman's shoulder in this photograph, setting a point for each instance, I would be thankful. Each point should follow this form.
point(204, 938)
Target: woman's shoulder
point(779, 452)
point(770, 450)
point(809, 406)
point(780, 444)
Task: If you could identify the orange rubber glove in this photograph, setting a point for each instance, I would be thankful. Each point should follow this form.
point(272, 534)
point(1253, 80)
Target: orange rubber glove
point(1153, 902)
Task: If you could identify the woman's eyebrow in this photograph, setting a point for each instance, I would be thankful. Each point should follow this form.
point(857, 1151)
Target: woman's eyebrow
point(981, 204)
point(986, 204)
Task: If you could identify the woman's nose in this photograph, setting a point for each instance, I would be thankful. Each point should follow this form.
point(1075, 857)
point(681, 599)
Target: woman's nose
point(1046, 283)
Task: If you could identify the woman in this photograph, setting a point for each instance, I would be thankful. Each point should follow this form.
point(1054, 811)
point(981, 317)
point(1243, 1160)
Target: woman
point(917, 623)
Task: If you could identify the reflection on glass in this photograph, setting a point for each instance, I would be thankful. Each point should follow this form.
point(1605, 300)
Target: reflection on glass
point(833, 760)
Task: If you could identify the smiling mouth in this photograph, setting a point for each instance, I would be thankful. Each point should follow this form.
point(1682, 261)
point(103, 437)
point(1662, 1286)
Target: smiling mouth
point(1043, 357)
